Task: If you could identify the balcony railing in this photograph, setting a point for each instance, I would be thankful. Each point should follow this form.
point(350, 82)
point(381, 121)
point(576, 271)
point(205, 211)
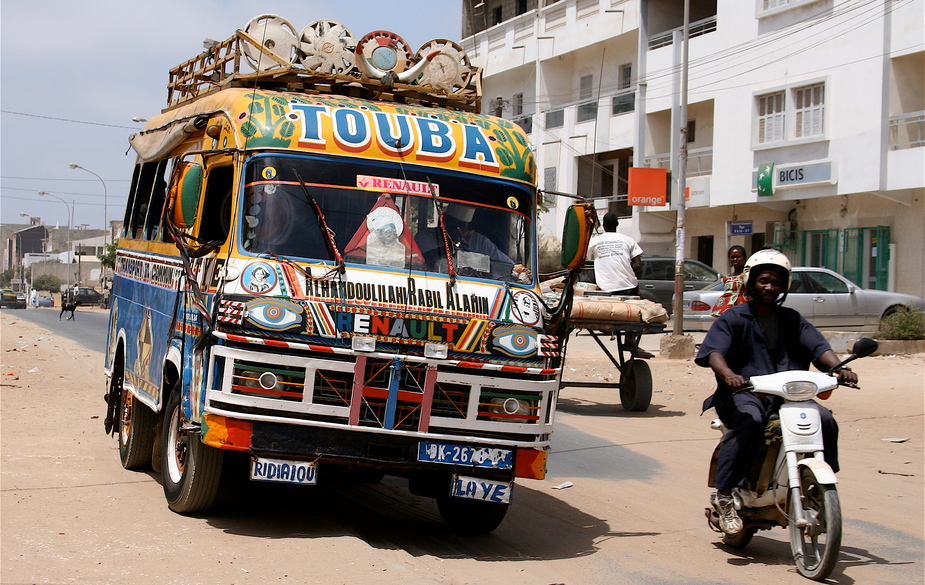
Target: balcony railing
point(699, 162)
point(701, 27)
point(907, 131)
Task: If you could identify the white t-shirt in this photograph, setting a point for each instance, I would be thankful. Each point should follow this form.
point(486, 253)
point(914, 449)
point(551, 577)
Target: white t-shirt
point(613, 254)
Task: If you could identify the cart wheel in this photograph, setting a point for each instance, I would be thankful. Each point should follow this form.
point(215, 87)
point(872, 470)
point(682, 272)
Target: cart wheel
point(636, 386)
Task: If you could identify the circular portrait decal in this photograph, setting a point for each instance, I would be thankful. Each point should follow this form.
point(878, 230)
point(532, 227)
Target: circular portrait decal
point(526, 308)
point(258, 278)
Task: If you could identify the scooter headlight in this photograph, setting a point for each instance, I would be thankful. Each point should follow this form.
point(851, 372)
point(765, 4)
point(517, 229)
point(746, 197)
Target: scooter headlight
point(800, 390)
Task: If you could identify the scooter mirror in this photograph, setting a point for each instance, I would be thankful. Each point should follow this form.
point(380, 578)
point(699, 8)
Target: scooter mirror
point(864, 346)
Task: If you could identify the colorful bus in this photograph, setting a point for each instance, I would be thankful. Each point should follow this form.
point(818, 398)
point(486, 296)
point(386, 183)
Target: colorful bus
point(332, 271)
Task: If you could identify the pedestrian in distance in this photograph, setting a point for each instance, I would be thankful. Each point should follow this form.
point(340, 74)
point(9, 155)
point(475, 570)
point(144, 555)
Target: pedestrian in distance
point(617, 262)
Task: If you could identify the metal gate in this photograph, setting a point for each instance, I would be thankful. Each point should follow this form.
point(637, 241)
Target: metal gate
point(809, 247)
point(867, 256)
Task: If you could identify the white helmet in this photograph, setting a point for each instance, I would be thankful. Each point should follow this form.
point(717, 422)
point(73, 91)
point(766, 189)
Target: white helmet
point(770, 258)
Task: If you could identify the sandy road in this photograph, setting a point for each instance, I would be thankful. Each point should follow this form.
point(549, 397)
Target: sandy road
point(71, 514)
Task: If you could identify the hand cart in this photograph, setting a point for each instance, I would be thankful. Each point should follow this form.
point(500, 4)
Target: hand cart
point(635, 376)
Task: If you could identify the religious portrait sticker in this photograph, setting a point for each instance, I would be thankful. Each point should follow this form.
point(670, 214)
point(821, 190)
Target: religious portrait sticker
point(525, 308)
point(258, 278)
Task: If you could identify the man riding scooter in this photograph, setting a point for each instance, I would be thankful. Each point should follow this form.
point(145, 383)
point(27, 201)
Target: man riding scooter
point(755, 338)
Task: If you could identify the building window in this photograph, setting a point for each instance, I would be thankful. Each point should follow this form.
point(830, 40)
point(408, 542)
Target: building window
point(496, 13)
point(691, 131)
point(771, 4)
point(521, 6)
point(586, 111)
point(623, 104)
point(549, 184)
point(626, 76)
point(586, 87)
point(555, 119)
point(809, 105)
point(518, 104)
point(525, 123)
point(771, 118)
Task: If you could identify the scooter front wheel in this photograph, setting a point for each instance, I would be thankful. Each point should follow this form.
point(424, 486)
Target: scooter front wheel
point(816, 546)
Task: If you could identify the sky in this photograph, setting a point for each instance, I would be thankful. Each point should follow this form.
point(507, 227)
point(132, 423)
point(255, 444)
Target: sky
point(74, 74)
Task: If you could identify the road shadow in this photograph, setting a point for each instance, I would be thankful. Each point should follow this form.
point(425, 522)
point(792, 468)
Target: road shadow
point(768, 551)
point(387, 516)
point(585, 407)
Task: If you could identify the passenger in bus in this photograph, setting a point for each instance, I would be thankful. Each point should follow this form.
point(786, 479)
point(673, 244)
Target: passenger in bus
point(383, 247)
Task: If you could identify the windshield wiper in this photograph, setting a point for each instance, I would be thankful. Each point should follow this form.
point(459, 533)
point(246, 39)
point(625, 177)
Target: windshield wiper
point(450, 268)
point(323, 225)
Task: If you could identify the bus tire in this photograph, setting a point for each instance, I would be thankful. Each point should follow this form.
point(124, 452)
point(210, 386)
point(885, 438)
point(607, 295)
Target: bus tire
point(471, 517)
point(191, 470)
point(136, 429)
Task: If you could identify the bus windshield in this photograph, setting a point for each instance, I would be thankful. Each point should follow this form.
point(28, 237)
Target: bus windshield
point(385, 215)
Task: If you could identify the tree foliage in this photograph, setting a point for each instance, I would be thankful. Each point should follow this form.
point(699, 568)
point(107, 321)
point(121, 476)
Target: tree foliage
point(48, 282)
point(108, 258)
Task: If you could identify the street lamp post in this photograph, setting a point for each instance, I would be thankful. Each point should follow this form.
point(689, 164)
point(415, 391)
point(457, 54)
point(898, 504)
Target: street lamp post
point(106, 225)
point(105, 198)
point(68, 271)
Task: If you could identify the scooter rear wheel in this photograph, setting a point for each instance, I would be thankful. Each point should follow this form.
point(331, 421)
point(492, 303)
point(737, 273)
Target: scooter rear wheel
point(816, 546)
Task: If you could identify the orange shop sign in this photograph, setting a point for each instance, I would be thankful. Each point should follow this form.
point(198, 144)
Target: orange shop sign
point(648, 186)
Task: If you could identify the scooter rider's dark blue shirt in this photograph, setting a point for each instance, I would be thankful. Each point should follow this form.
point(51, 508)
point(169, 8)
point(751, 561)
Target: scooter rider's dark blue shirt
point(737, 335)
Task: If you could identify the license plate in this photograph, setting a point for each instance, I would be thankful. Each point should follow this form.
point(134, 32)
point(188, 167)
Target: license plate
point(464, 455)
point(481, 490)
point(282, 471)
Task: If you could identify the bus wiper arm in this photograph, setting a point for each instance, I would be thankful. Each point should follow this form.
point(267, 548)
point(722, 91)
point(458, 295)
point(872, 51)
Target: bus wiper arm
point(450, 268)
point(329, 234)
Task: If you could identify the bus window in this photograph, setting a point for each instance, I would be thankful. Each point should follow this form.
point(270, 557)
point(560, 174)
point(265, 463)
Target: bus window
point(216, 211)
point(141, 194)
point(130, 208)
point(153, 228)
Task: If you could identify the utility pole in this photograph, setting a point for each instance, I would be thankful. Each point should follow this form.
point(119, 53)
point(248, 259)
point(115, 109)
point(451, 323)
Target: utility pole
point(678, 308)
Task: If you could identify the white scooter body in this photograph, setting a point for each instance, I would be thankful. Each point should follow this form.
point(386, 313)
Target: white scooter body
point(801, 432)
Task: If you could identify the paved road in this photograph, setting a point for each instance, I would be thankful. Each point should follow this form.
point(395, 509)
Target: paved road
point(88, 328)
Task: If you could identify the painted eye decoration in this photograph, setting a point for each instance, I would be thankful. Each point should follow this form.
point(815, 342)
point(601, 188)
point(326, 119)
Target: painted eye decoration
point(514, 341)
point(274, 314)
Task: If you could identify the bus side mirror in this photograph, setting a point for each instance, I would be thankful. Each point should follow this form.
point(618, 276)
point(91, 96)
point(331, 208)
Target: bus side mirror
point(184, 194)
point(576, 233)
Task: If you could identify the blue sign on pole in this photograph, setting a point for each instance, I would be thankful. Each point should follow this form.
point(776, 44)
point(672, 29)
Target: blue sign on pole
point(740, 228)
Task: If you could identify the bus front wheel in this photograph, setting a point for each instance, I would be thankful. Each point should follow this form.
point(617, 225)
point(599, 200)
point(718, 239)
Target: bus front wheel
point(191, 469)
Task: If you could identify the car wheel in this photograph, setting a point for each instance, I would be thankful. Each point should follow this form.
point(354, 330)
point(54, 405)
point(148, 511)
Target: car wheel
point(890, 311)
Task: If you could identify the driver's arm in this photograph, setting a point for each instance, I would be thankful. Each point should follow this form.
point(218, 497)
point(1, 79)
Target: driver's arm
point(722, 370)
point(829, 359)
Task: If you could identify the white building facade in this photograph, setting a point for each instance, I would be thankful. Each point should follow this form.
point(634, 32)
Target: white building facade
point(828, 96)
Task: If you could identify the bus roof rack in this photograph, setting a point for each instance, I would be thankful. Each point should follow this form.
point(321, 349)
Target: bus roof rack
point(243, 61)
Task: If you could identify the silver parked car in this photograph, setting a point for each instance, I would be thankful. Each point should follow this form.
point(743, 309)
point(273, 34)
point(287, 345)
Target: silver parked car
point(824, 297)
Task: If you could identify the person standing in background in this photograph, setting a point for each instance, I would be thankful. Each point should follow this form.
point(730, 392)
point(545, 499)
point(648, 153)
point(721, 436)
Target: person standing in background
point(733, 284)
point(617, 260)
